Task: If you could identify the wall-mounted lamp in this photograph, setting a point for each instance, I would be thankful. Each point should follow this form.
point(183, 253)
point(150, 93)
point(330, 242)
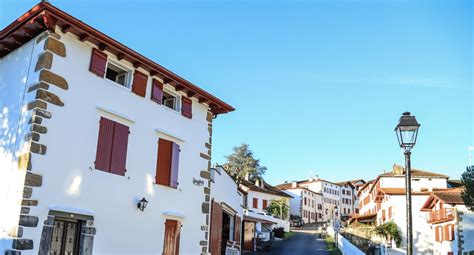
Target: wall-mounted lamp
point(142, 204)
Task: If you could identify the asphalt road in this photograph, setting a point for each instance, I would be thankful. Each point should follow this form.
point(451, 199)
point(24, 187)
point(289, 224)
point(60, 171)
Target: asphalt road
point(301, 243)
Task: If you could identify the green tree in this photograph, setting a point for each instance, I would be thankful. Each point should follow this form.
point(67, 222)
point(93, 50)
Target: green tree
point(278, 208)
point(467, 180)
point(389, 231)
point(242, 162)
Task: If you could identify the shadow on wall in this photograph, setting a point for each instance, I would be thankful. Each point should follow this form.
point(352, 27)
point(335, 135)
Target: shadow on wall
point(14, 71)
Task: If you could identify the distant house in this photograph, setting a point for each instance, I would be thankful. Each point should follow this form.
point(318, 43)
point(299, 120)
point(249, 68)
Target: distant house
point(331, 196)
point(306, 205)
point(451, 223)
point(348, 198)
point(259, 194)
point(105, 150)
point(383, 200)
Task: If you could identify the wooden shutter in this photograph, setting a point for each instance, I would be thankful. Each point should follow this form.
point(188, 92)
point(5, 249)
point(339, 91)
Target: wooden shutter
point(104, 145)
point(255, 203)
point(216, 229)
point(174, 165)
point(98, 62)
point(237, 229)
point(139, 83)
point(119, 149)
point(186, 107)
point(264, 206)
point(163, 165)
point(172, 235)
point(157, 91)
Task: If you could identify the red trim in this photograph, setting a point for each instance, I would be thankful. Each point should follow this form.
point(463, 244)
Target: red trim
point(44, 12)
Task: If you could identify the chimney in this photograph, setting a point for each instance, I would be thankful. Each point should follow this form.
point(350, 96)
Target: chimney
point(293, 184)
point(398, 170)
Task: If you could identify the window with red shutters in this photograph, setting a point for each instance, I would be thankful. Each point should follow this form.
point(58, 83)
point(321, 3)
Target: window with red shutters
point(172, 236)
point(186, 107)
point(157, 91)
point(167, 166)
point(255, 203)
point(139, 83)
point(98, 62)
point(174, 166)
point(111, 154)
point(264, 204)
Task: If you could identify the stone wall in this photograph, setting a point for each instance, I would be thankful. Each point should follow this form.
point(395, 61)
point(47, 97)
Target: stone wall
point(39, 110)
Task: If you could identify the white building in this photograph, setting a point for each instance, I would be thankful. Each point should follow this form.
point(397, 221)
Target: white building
point(347, 199)
point(90, 127)
point(451, 223)
point(331, 196)
point(383, 200)
point(259, 194)
point(305, 204)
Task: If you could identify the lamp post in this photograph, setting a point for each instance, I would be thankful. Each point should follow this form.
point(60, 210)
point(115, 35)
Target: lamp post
point(407, 131)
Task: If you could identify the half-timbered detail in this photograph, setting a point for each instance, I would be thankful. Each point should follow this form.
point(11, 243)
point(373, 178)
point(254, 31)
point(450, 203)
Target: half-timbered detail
point(71, 100)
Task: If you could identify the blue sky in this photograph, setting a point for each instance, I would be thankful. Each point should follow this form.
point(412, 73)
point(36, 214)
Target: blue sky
point(318, 85)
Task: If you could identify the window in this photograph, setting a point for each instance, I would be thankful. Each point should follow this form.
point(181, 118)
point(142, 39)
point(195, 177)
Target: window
point(167, 163)
point(117, 74)
point(111, 154)
point(255, 203)
point(264, 204)
point(172, 236)
point(170, 100)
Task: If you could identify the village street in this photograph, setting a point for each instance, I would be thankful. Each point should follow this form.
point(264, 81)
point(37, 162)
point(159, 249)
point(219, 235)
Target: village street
point(303, 242)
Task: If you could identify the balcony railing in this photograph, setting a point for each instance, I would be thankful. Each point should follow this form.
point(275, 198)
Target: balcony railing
point(445, 214)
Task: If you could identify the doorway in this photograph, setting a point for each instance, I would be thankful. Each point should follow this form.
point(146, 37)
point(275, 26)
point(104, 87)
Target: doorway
point(65, 238)
point(249, 234)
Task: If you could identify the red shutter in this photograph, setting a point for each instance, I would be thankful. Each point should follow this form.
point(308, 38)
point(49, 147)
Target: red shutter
point(237, 229)
point(163, 165)
point(172, 235)
point(186, 107)
point(98, 62)
point(216, 229)
point(119, 149)
point(104, 145)
point(139, 83)
point(174, 166)
point(157, 91)
point(255, 203)
point(264, 206)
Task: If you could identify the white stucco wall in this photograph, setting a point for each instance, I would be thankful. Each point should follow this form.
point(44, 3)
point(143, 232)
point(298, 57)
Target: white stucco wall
point(261, 196)
point(422, 231)
point(295, 202)
point(468, 227)
point(70, 180)
point(224, 189)
point(16, 72)
point(418, 183)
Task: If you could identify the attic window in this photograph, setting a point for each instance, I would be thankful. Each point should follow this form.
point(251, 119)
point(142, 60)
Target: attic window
point(170, 100)
point(118, 75)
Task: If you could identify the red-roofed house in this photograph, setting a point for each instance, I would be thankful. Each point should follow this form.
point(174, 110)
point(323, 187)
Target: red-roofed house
point(92, 128)
point(452, 224)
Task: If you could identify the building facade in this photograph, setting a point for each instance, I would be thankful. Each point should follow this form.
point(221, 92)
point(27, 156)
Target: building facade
point(92, 129)
point(306, 206)
point(383, 200)
point(450, 222)
point(331, 193)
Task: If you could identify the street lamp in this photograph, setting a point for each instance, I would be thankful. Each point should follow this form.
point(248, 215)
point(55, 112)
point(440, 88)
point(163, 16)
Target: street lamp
point(407, 131)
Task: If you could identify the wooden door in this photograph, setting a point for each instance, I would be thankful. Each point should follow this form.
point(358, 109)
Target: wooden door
point(249, 234)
